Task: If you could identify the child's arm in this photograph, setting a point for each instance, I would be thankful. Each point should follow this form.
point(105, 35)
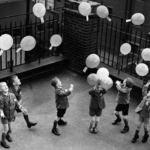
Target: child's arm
point(65, 92)
point(104, 91)
point(20, 106)
point(145, 87)
point(1, 109)
point(123, 90)
point(91, 92)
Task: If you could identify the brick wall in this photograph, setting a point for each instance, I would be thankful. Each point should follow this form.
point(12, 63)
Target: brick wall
point(80, 38)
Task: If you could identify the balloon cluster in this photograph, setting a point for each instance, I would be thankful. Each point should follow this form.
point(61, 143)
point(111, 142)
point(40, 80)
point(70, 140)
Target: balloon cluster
point(102, 75)
point(85, 10)
point(29, 42)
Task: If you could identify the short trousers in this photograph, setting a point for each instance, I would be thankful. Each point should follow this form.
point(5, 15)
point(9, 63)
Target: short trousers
point(5, 120)
point(61, 112)
point(143, 120)
point(124, 108)
point(95, 112)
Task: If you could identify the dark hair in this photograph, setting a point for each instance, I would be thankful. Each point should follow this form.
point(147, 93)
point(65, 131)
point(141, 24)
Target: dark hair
point(11, 80)
point(129, 82)
point(54, 82)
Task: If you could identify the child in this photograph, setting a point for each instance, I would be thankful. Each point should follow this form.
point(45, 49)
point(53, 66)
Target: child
point(97, 103)
point(8, 103)
point(123, 100)
point(143, 109)
point(61, 103)
point(14, 87)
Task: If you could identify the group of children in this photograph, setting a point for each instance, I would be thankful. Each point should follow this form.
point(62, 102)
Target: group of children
point(10, 101)
point(97, 104)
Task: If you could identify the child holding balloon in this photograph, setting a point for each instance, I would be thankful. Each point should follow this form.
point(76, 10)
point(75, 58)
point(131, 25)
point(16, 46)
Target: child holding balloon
point(123, 100)
point(61, 103)
point(143, 109)
point(97, 103)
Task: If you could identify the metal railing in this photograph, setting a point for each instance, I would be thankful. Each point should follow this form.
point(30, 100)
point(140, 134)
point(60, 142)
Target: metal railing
point(113, 34)
point(18, 27)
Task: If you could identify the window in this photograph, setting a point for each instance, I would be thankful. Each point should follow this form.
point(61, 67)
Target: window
point(110, 9)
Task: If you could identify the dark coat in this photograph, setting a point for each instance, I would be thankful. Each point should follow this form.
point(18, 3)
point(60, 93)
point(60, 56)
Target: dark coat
point(61, 98)
point(97, 98)
point(8, 105)
point(17, 93)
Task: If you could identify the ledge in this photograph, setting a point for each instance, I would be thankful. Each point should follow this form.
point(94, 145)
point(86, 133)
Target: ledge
point(31, 66)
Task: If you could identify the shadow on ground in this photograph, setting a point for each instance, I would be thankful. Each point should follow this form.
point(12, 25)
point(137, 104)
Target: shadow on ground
point(38, 97)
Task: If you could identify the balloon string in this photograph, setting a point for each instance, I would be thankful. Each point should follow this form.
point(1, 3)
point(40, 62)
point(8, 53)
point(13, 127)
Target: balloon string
point(42, 20)
point(18, 50)
point(51, 47)
point(85, 69)
point(128, 20)
point(87, 18)
point(1, 52)
point(108, 18)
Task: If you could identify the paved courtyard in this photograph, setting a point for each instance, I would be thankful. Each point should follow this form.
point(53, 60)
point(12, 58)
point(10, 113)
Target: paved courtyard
point(38, 97)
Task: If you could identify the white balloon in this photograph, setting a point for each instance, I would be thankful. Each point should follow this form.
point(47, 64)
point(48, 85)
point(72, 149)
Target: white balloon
point(102, 11)
point(142, 69)
point(138, 19)
point(102, 73)
point(92, 61)
point(106, 83)
point(39, 10)
point(28, 43)
point(85, 9)
point(125, 48)
point(6, 42)
point(146, 54)
point(92, 79)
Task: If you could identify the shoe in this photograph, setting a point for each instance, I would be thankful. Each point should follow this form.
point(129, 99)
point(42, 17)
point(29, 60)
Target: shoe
point(4, 144)
point(135, 138)
point(125, 129)
point(62, 122)
point(116, 121)
point(30, 124)
point(55, 131)
point(145, 138)
point(95, 130)
point(91, 130)
point(9, 139)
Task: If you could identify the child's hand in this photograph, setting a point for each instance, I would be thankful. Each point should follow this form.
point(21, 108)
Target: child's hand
point(2, 115)
point(71, 87)
point(118, 82)
point(147, 103)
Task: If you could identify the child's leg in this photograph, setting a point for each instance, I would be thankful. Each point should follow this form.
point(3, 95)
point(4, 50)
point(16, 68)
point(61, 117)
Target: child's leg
point(26, 117)
point(125, 109)
point(8, 133)
point(146, 128)
point(4, 133)
point(139, 125)
point(55, 129)
point(126, 127)
point(92, 124)
point(96, 124)
point(118, 118)
point(61, 120)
